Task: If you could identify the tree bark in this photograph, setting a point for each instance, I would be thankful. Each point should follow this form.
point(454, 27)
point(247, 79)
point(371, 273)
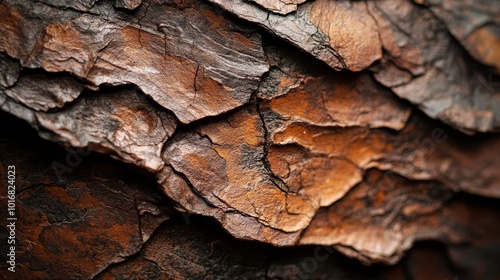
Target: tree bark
point(356, 126)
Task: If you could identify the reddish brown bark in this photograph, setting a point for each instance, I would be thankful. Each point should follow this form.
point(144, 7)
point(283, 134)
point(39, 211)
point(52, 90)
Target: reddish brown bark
point(239, 111)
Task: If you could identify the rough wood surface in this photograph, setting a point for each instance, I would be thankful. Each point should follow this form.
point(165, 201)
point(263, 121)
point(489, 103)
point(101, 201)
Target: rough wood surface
point(106, 220)
point(240, 113)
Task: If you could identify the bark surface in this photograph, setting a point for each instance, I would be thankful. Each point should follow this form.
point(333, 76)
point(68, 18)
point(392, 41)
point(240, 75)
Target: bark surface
point(362, 125)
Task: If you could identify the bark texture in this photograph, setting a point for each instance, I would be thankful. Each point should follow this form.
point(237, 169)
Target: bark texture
point(239, 111)
point(107, 220)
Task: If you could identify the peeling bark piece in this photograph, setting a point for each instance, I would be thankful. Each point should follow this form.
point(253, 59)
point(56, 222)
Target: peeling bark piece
point(132, 127)
point(425, 66)
point(380, 217)
point(338, 100)
point(128, 4)
point(240, 226)
point(9, 71)
point(319, 178)
point(231, 154)
point(470, 104)
point(351, 29)
point(476, 24)
point(188, 200)
point(80, 5)
point(280, 6)
point(157, 53)
point(461, 163)
point(403, 212)
point(483, 45)
point(10, 106)
point(419, 152)
point(194, 157)
point(120, 122)
point(42, 91)
point(302, 90)
point(298, 28)
point(409, 45)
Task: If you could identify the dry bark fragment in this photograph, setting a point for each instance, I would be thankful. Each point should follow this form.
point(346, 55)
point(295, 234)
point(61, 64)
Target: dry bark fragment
point(81, 5)
point(419, 152)
point(153, 50)
point(280, 6)
point(128, 4)
point(474, 23)
point(123, 123)
point(425, 65)
point(400, 212)
point(295, 28)
point(381, 217)
point(42, 91)
point(301, 90)
point(351, 30)
point(337, 100)
point(9, 71)
point(230, 152)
